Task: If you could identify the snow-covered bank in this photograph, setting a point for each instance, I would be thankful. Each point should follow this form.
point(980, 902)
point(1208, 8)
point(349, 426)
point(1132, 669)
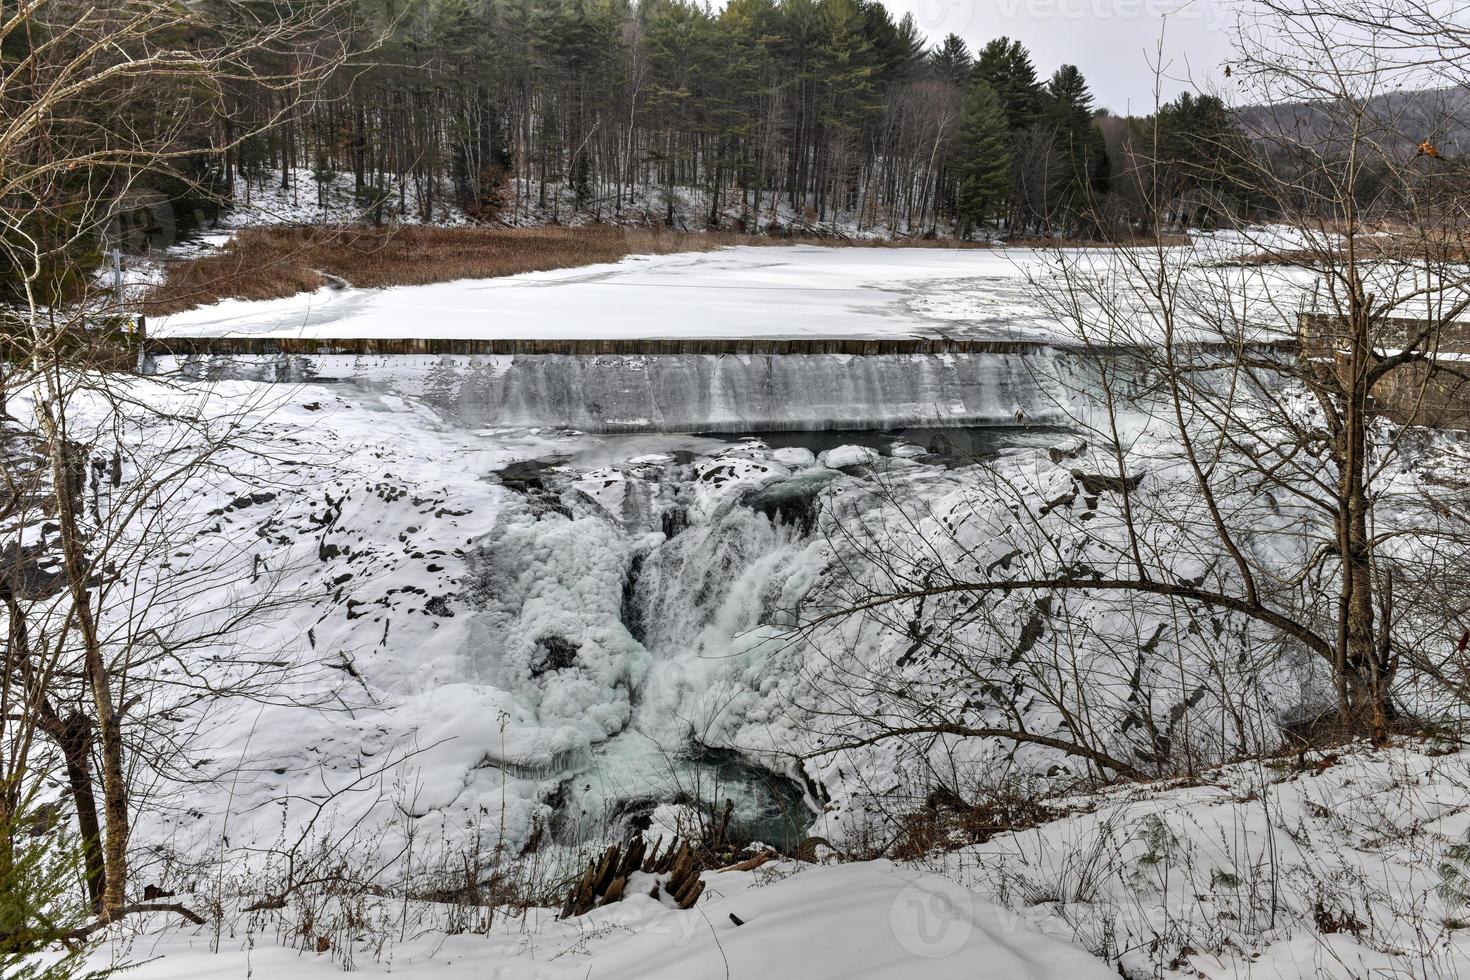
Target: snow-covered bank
point(1343, 865)
point(874, 919)
point(1349, 863)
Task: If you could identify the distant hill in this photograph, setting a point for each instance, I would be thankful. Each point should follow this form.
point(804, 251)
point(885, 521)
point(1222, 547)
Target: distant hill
point(1405, 118)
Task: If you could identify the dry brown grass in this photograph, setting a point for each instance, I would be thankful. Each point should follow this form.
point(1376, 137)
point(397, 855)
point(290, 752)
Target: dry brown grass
point(271, 263)
point(946, 823)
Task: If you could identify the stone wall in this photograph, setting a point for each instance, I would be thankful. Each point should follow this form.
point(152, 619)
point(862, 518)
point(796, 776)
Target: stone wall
point(1434, 394)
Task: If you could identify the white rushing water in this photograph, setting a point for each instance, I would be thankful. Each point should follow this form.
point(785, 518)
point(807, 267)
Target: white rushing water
point(643, 611)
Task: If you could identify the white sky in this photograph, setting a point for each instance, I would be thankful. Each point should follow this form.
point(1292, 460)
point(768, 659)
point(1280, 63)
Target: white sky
point(1112, 41)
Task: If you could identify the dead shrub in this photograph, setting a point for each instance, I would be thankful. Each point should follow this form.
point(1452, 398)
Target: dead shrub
point(946, 822)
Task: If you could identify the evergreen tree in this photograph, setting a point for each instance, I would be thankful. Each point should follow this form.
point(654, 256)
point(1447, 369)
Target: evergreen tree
point(1202, 158)
point(1066, 115)
point(905, 51)
point(951, 61)
point(983, 158)
point(1005, 65)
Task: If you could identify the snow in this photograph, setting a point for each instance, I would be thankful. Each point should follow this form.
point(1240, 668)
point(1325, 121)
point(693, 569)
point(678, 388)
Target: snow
point(265, 202)
point(845, 456)
point(745, 291)
point(749, 291)
point(863, 920)
point(361, 509)
point(1327, 864)
point(1322, 866)
point(874, 919)
point(795, 457)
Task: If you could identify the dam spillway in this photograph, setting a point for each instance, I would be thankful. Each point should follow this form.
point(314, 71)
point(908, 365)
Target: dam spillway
point(694, 385)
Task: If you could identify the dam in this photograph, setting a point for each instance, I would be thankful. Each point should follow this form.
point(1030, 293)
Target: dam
point(667, 386)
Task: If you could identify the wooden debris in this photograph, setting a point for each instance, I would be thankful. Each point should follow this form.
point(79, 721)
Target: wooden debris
point(807, 849)
point(606, 878)
point(614, 892)
point(684, 884)
point(749, 864)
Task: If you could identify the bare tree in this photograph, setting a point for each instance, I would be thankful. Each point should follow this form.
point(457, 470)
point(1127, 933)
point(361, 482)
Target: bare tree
point(1243, 524)
point(94, 101)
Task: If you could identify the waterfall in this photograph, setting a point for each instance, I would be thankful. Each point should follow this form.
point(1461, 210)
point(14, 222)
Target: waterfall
point(733, 392)
point(699, 590)
point(640, 639)
point(694, 392)
point(641, 612)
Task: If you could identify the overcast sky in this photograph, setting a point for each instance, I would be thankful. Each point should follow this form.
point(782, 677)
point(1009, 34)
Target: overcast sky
point(1112, 41)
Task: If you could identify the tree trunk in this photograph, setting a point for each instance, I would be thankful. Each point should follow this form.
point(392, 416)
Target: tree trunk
point(64, 469)
point(1363, 675)
point(76, 747)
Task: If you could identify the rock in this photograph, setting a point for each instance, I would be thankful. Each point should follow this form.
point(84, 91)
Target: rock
point(794, 457)
point(1067, 449)
point(1094, 484)
point(844, 456)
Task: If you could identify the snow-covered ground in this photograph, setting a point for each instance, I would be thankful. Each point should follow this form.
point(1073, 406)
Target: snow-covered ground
point(264, 202)
point(871, 920)
point(332, 201)
point(1346, 865)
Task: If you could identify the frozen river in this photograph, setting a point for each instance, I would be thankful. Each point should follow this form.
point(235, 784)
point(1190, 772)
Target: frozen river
point(794, 291)
point(755, 292)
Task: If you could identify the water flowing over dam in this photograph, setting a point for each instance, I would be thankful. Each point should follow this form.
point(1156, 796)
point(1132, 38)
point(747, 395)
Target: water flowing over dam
point(637, 392)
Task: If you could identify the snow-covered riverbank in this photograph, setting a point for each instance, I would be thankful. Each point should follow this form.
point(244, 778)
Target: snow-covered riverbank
point(1333, 865)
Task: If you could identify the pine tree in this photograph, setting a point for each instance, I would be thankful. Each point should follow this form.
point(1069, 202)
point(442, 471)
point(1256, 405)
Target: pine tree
point(1202, 156)
point(1005, 66)
point(40, 905)
point(1067, 115)
point(904, 53)
point(951, 62)
point(983, 158)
